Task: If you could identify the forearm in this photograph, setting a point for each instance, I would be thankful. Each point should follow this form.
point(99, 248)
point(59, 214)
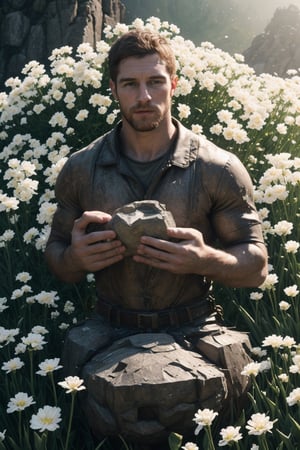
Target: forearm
point(240, 266)
point(61, 263)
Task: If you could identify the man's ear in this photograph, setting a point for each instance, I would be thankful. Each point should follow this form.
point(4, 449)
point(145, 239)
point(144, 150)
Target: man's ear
point(113, 89)
point(174, 81)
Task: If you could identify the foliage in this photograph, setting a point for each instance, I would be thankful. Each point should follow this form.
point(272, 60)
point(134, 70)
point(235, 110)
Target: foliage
point(44, 118)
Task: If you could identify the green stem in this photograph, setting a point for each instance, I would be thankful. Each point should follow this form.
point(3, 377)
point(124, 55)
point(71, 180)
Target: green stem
point(53, 388)
point(20, 427)
point(263, 442)
point(31, 372)
point(211, 445)
point(70, 420)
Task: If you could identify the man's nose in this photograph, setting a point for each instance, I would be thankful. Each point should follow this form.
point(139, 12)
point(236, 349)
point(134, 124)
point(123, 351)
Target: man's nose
point(144, 95)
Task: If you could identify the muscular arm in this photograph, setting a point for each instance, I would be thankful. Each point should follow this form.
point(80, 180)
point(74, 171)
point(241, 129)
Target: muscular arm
point(242, 265)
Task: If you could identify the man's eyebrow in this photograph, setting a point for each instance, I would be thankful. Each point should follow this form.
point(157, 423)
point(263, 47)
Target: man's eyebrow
point(151, 77)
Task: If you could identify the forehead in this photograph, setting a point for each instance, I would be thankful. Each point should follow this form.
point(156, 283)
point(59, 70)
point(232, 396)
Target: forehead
point(147, 66)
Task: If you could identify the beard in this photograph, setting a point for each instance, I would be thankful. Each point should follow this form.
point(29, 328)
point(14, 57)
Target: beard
point(143, 122)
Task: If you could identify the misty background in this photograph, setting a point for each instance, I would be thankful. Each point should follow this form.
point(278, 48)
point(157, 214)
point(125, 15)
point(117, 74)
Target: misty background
point(230, 25)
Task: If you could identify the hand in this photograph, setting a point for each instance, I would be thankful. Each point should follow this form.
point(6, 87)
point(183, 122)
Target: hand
point(90, 252)
point(189, 255)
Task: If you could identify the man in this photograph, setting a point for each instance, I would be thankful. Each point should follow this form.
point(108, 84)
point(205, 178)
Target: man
point(166, 284)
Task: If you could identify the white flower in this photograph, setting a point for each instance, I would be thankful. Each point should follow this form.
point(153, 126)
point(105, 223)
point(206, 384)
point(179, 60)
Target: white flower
point(58, 119)
point(273, 340)
point(295, 368)
point(252, 368)
point(183, 111)
point(8, 335)
point(291, 291)
point(294, 397)
point(47, 418)
point(69, 307)
point(82, 115)
point(20, 348)
point(204, 418)
point(19, 402)
point(283, 228)
point(283, 377)
point(39, 329)
point(259, 424)
point(30, 235)
point(190, 446)
point(23, 277)
point(284, 306)
point(34, 340)
point(3, 306)
point(230, 435)
point(258, 351)
point(12, 365)
point(72, 384)
point(256, 296)
point(288, 341)
point(47, 298)
point(48, 366)
point(269, 282)
point(291, 246)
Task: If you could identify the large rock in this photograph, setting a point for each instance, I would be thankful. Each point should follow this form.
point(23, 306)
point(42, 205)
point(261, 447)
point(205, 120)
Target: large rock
point(145, 386)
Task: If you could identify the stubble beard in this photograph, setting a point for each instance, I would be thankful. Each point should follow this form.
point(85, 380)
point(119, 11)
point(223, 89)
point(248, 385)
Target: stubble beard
point(143, 124)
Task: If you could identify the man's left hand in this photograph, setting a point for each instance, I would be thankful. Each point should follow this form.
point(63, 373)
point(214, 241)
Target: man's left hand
point(187, 255)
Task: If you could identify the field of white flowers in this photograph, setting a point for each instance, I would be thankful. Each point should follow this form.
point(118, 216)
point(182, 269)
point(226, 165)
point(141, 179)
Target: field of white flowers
point(47, 115)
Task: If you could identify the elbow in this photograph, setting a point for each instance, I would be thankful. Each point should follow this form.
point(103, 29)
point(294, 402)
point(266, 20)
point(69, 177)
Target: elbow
point(261, 272)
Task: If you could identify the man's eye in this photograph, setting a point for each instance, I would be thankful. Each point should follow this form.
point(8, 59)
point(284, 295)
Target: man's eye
point(156, 82)
point(129, 83)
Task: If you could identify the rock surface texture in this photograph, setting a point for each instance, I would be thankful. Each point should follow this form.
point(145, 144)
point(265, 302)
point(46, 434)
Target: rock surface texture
point(31, 29)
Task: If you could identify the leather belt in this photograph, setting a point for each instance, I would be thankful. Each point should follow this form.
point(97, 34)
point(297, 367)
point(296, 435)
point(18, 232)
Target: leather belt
point(154, 320)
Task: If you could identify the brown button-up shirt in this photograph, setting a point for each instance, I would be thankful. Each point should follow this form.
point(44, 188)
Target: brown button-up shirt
point(205, 187)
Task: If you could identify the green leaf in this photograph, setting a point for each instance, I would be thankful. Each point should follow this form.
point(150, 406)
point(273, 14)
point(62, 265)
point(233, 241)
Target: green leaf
point(175, 441)
point(295, 428)
point(286, 440)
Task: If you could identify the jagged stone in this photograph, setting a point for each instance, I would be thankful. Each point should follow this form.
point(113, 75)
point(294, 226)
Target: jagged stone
point(146, 385)
point(147, 217)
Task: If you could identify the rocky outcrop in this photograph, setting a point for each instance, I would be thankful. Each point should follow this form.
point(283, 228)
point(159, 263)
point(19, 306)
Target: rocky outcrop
point(277, 49)
point(31, 29)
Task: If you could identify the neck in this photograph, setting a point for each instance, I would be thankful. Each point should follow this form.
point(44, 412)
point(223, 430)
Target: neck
point(147, 145)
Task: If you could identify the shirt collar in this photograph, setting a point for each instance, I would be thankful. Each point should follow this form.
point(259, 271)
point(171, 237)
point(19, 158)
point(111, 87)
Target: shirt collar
point(184, 153)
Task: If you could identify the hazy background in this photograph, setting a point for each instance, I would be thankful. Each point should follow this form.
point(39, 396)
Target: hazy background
point(229, 24)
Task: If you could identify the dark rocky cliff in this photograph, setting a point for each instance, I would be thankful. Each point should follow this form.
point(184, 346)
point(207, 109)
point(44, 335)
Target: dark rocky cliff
point(31, 29)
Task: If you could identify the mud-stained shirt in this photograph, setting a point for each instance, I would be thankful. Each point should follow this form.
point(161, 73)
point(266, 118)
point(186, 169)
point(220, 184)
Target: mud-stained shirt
point(205, 187)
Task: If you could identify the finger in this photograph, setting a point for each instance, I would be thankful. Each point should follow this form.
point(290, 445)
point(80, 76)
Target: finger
point(89, 217)
point(99, 265)
point(101, 236)
point(159, 264)
point(103, 247)
point(160, 244)
point(183, 233)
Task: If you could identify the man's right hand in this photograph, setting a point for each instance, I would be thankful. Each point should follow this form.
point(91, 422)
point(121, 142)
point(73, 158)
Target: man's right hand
point(90, 252)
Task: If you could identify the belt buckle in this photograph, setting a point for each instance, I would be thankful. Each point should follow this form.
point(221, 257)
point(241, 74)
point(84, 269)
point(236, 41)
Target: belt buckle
point(147, 321)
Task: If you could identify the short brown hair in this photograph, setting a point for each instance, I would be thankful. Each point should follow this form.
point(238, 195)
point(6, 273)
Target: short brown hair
point(139, 43)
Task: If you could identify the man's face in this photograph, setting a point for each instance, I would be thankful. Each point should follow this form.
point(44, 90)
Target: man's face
point(144, 90)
